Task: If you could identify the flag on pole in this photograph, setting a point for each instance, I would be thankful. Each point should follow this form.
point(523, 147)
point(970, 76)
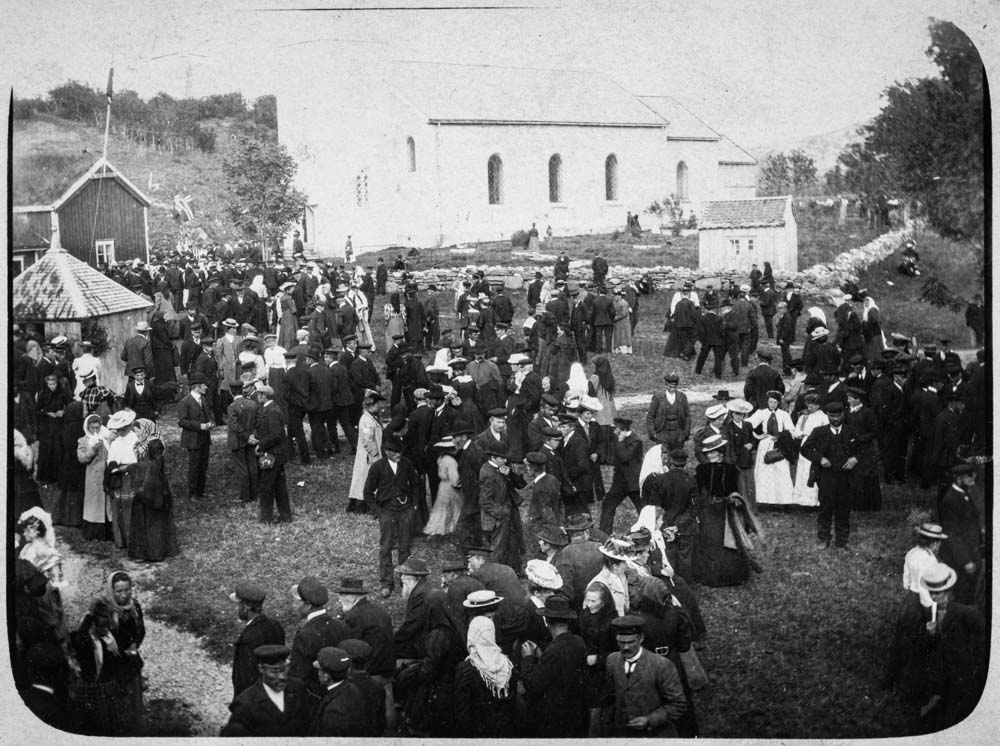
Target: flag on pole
point(111, 75)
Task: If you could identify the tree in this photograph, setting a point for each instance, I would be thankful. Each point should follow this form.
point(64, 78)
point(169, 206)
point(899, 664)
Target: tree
point(803, 171)
point(74, 100)
point(928, 138)
point(775, 177)
point(866, 176)
point(265, 111)
point(834, 180)
point(262, 200)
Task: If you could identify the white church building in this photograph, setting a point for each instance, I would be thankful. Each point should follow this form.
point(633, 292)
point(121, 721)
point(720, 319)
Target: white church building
point(431, 154)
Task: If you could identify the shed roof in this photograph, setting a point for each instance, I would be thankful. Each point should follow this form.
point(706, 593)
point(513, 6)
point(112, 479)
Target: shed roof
point(61, 287)
point(490, 94)
point(763, 212)
point(683, 125)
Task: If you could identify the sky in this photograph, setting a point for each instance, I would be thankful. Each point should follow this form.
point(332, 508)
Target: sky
point(759, 72)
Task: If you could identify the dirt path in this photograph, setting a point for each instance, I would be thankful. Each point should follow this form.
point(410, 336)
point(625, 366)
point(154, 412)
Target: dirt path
point(188, 692)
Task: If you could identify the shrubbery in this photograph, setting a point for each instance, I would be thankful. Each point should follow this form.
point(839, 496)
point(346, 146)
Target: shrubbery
point(519, 239)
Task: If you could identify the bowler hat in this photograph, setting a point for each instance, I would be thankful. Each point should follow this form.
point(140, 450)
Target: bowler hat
point(248, 591)
point(722, 396)
point(311, 590)
point(270, 655)
point(498, 412)
point(578, 522)
point(556, 607)
point(413, 566)
point(623, 423)
point(553, 535)
point(462, 428)
point(481, 600)
point(333, 660)
point(478, 551)
point(392, 443)
point(453, 564)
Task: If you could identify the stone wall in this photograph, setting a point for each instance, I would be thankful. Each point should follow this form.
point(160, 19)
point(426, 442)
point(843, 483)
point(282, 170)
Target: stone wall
point(815, 280)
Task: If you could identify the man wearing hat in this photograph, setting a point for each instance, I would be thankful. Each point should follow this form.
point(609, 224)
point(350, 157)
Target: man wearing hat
point(545, 506)
point(534, 292)
point(258, 630)
point(676, 491)
point(241, 422)
point(370, 622)
point(948, 441)
point(962, 521)
point(555, 680)
point(320, 402)
point(668, 420)
point(373, 692)
point(390, 492)
point(496, 577)
point(139, 395)
point(499, 505)
point(712, 336)
point(341, 713)
point(456, 581)
point(470, 457)
point(579, 561)
point(525, 387)
point(271, 439)
point(409, 638)
point(137, 352)
point(925, 406)
point(227, 357)
point(864, 477)
point(364, 376)
point(627, 460)
point(760, 380)
point(275, 704)
point(551, 540)
point(888, 405)
point(649, 697)
point(319, 630)
point(546, 418)
point(819, 354)
point(195, 422)
point(832, 450)
point(685, 317)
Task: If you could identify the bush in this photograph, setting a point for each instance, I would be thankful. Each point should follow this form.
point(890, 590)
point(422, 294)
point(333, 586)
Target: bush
point(519, 239)
point(204, 139)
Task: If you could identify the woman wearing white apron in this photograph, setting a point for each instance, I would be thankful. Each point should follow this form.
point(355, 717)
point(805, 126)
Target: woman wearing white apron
point(773, 480)
point(802, 494)
point(369, 450)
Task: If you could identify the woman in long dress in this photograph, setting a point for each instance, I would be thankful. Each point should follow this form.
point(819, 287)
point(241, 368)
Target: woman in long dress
point(773, 481)
point(742, 444)
point(92, 450)
point(621, 341)
point(119, 472)
point(448, 501)
point(165, 355)
point(369, 450)
point(395, 319)
point(50, 405)
point(485, 686)
point(360, 303)
point(713, 563)
point(802, 493)
point(153, 532)
point(129, 630)
point(871, 327)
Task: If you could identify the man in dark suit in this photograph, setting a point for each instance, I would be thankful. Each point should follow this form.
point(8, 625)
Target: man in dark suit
point(946, 443)
point(320, 402)
point(961, 519)
point(785, 337)
point(469, 530)
point(241, 440)
point(341, 713)
point(768, 307)
point(195, 422)
point(319, 630)
point(456, 581)
point(546, 418)
point(258, 630)
point(760, 380)
point(794, 301)
point(296, 395)
point(497, 577)
point(545, 506)
point(272, 440)
point(712, 336)
point(370, 622)
point(342, 397)
point(604, 320)
point(139, 396)
point(576, 461)
point(648, 696)
point(190, 348)
point(554, 680)
point(625, 479)
point(534, 292)
point(363, 376)
point(580, 560)
point(677, 493)
point(668, 420)
point(390, 493)
point(191, 318)
point(381, 276)
point(525, 388)
point(137, 352)
point(378, 702)
point(685, 318)
point(408, 640)
point(580, 318)
point(275, 705)
point(831, 449)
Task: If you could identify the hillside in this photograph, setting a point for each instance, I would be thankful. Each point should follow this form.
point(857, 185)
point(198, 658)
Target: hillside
point(50, 153)
point(823, 148)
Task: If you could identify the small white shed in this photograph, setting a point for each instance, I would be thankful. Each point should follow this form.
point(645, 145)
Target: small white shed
point(735, 234)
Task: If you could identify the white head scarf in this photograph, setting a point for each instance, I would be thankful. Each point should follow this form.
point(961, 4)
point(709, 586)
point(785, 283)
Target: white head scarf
point(577, 383)
point(652, 463)
point(817, 313)
point(869, 305)
point(494, 667)
point(647, 520)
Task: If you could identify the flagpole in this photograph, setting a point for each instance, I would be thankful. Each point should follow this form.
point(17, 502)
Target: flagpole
point(107, 118)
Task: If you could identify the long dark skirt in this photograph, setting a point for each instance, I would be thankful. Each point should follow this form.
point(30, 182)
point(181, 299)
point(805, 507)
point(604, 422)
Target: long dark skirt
point(675, 344)
point(50, 449)
point(867, 491)
point(153, 535)
point(163, 364)
point(713, 563)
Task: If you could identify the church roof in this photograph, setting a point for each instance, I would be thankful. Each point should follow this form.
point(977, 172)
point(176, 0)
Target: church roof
point(763, 212)
point(488, 94)
point(731, 154)
point(683, 125)
point(61, 287)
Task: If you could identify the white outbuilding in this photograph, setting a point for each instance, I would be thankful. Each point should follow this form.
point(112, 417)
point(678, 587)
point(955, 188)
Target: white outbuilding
point(432, 154)
point(735, 234)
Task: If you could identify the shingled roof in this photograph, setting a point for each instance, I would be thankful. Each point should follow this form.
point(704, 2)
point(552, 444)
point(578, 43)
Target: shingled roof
point(763, 212)
point(59, 287)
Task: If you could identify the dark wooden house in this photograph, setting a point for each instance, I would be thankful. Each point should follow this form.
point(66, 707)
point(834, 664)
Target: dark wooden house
point(101, 218)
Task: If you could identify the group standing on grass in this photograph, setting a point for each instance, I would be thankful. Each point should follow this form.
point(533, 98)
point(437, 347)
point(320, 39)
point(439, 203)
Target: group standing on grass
point(500, 447)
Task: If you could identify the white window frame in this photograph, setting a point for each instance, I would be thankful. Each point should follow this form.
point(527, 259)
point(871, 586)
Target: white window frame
point(107, 247)
point(18, 260)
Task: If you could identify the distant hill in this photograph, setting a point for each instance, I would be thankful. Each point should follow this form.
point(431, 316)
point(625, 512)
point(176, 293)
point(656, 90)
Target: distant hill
point(823, 148)
point(50, 153)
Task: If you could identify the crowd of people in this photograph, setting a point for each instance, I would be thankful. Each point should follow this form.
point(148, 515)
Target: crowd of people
point(549, 622)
